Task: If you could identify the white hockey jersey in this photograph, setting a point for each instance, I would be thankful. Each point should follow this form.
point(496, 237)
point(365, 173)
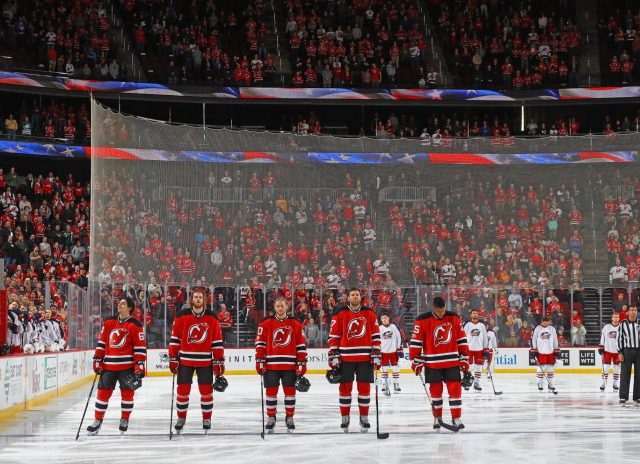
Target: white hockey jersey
point(609, 338)
point(476, 335)
point(545, 339)
point(390, 338)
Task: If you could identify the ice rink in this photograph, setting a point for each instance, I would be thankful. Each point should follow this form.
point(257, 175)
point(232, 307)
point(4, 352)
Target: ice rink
point(579, 425)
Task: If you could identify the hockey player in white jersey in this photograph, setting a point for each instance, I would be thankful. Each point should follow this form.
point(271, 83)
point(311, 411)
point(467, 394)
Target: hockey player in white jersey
point(608, 349)
point(391, 349)
point(544, 345)
point(476, 333)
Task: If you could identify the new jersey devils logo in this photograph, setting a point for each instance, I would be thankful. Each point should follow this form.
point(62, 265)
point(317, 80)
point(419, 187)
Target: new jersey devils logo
point(197, 333)
point(356, 328)
point(442, 334)
point(118, 338)
point(282, 336)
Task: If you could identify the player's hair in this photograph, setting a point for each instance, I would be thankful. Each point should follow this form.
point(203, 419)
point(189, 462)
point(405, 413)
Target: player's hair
point(473, 311)
point(383, 315)
point(546, 319)
point(197, 291)
point(438, 302)
point(283, 299)
point(130, 303)
point(354, 289)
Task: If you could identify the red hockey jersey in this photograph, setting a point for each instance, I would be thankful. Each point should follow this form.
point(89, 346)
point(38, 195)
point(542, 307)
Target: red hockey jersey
point(196, 339)
point(439, 343)
point(354, 333)
point(281, 343)
point(121, 343)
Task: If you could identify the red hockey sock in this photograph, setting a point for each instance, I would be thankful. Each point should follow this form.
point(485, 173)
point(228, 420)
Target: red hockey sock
point(455, 398)
point(182, 400)
point(345, 397)
point(435, 389)
point(364, 390)
point(271, 400)
point(126, 405)
point(102, 401)
point(289, 400)
point(206, 400)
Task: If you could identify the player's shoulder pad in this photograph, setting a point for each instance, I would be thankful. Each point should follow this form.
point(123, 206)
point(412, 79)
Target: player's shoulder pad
point(110, 318)
point(424, 316)
point(452, 313)
point(208, 312)
point(183, 312)
point(339, 309)
point(135, 321)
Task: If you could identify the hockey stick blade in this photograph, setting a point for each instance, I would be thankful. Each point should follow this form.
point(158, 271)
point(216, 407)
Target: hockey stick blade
point(262, 435)
point(497, 393)
point(450, 427)
point(383, 435)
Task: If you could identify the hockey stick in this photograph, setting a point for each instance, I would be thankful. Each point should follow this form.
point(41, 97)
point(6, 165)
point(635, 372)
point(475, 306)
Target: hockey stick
point(262, 401)
point(173, 387)
point(442, 423)
point(553, 389)
point(490, 375)
point(87, 405)
point(384, 435)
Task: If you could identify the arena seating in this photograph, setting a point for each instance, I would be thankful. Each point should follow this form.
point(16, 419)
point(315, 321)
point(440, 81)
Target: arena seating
point(533, 47)
point(221, 43)
point(356, 44)
point(70, 38)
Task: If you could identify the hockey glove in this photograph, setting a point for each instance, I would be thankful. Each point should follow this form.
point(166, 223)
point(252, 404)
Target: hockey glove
point(173, 365)
point(376, 358)
point(98, 366)
point(334, 359)
point(601, 350)
point(556, 353)
point(533, 352)
point(417, 366)
point(140, 369)
point(464, 365)
point(261, 364)
point(400, 353)
point(218, 367)
point(302, 368)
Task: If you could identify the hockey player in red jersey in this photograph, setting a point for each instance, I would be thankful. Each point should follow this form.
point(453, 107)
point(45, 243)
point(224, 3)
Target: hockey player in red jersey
point(196, 346)
point(121, 352)
point(354, 348)
point(439, 347)
point(281, 357)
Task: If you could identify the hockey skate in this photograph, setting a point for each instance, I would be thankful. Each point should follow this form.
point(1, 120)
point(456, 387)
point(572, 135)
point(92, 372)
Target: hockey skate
point(385, 388)
point(94, 428)
point(206, 425)
point(552, 388)
point(540, 387)
point(603, 386)
point(364, 424)
point(615, 387)
point(290, 425)
point(271, 424)
point(124, 425)
point(179, 425)
point(396, 388)
point(458, 423)
point(345, 423)
point(476, 386)
point(623, 403)
point(436, 424)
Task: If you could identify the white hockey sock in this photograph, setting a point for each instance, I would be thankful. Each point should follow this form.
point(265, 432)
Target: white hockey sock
point(605, 372)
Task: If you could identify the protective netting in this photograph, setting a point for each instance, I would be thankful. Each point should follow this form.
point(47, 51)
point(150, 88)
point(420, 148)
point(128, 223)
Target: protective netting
point(119, 130)
point(249, 231)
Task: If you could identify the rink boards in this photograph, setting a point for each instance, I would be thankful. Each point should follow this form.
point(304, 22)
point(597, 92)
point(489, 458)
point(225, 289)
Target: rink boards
point(509, 360)
point(29, 380)
point(26, 381)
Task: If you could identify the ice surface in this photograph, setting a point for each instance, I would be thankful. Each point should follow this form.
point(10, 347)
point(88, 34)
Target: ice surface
point(579, 425)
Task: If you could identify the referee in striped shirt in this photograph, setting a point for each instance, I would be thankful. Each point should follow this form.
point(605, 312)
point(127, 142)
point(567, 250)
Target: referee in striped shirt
point(629, 354)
